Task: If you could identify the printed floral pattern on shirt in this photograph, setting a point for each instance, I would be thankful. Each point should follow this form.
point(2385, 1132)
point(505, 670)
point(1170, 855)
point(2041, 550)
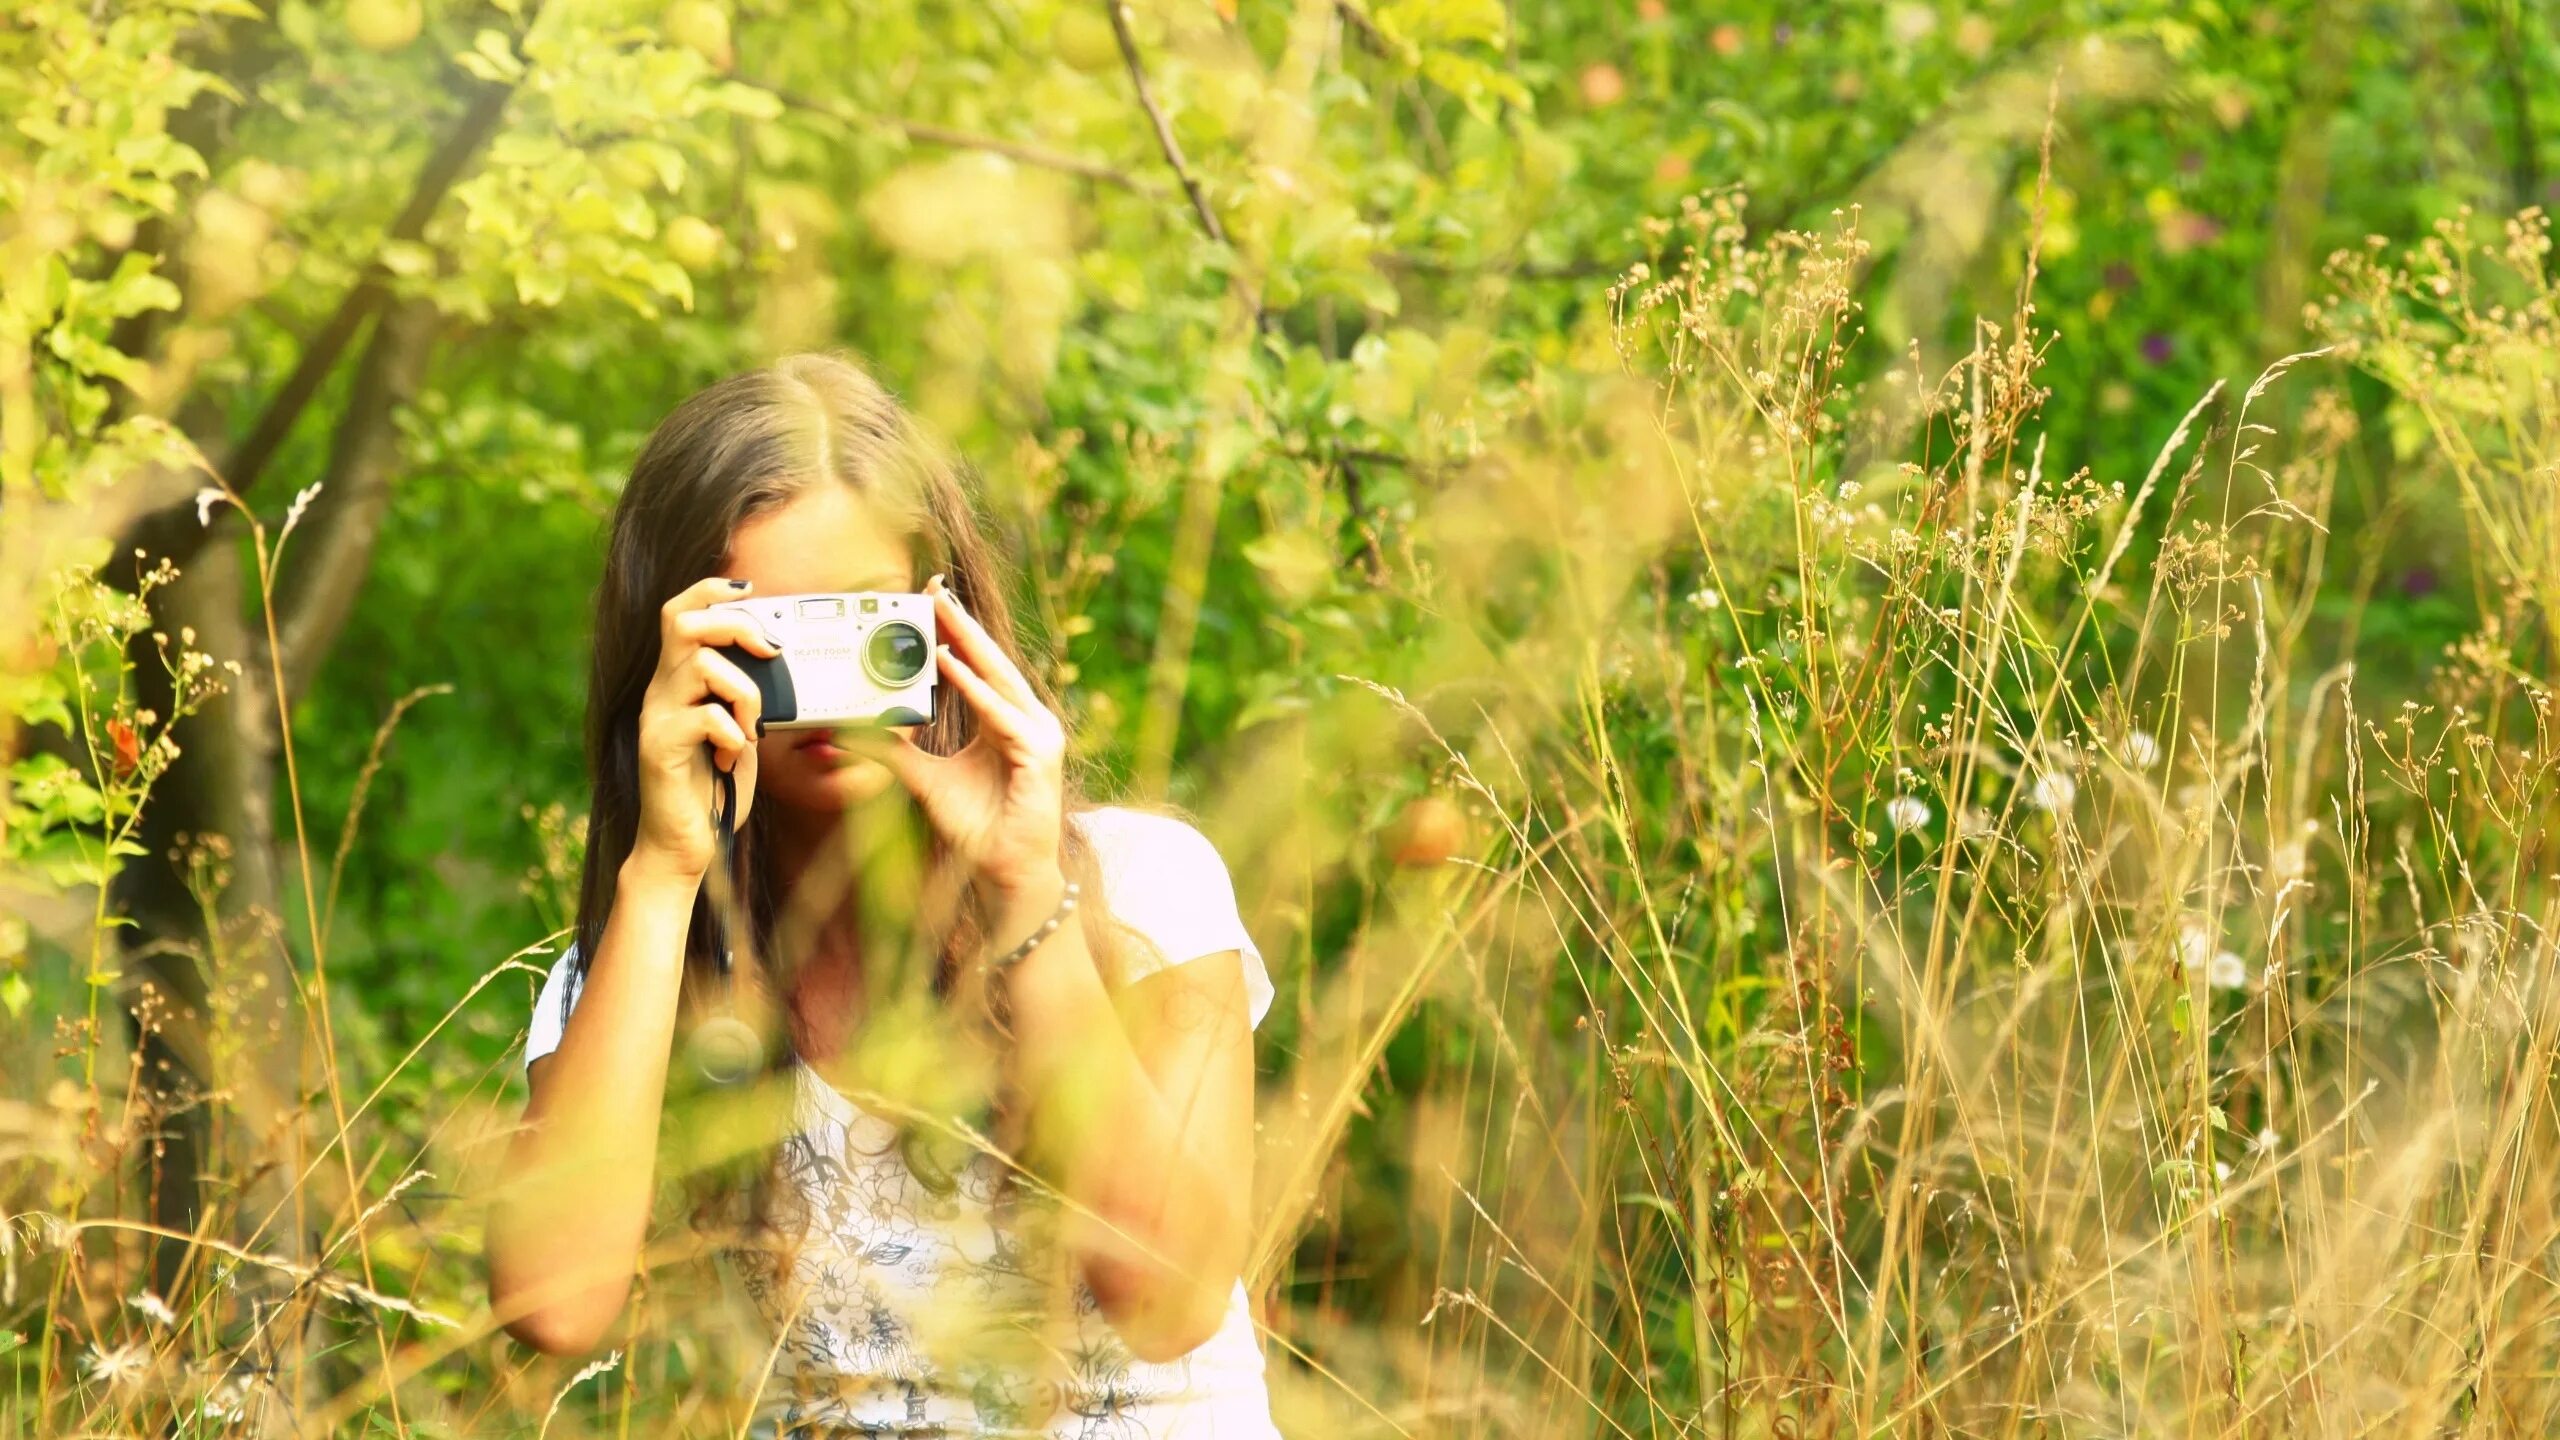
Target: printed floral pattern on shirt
point(906, 1312)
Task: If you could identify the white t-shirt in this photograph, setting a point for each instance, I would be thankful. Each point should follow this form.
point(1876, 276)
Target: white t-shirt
point(887, 1259)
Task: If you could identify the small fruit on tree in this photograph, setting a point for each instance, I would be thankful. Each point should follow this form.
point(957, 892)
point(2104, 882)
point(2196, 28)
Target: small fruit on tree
point(382, 26)
point(1083, 39)
point(1427, 831)
point(702, 27)
point(694, 242)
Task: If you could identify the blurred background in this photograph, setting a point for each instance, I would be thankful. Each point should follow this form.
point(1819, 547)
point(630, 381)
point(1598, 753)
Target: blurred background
point(1733, 581)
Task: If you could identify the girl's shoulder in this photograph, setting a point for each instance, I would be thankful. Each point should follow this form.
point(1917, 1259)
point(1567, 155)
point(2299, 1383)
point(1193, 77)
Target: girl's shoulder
point(1152, 849)
point(1164, 879)
point(1127, 823)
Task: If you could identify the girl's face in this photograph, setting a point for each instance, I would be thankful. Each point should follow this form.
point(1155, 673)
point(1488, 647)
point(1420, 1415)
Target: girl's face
point(825, 538)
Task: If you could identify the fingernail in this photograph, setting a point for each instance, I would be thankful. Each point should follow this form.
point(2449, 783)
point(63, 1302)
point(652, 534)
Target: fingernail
point(737, 584)
point(935, 584)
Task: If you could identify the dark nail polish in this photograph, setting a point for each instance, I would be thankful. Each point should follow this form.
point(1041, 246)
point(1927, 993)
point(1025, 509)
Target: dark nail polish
point(737, 584)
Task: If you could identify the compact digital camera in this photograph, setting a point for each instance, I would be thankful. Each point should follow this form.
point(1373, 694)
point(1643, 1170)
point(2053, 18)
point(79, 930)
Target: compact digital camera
point(852, 659)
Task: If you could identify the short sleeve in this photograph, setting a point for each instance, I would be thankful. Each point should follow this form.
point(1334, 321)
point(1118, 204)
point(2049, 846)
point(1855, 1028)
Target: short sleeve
point(551, 1008)
point(1165, 880)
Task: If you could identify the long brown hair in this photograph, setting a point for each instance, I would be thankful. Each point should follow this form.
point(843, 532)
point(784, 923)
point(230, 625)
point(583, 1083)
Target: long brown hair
point(737, 450)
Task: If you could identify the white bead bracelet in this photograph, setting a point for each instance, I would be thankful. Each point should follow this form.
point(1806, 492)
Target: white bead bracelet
point(1048, 927)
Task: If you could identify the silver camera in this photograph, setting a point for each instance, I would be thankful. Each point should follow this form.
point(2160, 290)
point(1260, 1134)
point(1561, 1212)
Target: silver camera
point(848, 659)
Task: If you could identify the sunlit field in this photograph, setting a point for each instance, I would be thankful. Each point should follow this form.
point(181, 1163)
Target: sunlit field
point(1897, 778)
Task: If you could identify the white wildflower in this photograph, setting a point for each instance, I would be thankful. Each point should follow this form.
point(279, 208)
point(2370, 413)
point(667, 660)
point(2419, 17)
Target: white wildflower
point(206, 499)
point(152, 1307)
point(227, 1401)
point(301, 502)
point(2266, 1141)
point(1704, 598)
point(1907, 812)
point(2140, 750)
point(2222, 1172)
point(2288, 861)
point(2227, 972)
point(122, 1365)
point(2052, 790)
point(2195, 947)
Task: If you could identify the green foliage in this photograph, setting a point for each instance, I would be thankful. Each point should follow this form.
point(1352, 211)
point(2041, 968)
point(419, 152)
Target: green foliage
point(1654, 574)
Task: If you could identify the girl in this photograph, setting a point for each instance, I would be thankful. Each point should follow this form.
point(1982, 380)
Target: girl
point(1076, 1275)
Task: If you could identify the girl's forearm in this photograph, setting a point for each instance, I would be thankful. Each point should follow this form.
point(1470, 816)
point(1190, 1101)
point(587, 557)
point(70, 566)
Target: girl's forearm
point(1120, 1149)
point(573, 1207)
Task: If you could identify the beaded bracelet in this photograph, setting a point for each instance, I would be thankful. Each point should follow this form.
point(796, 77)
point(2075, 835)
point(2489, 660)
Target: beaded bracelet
point(1048, 927)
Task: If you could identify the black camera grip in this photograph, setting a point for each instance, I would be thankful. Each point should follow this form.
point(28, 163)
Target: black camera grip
point(772, 680)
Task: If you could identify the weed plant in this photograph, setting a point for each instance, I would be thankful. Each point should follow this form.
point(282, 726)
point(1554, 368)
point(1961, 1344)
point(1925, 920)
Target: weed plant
point(1923, 939)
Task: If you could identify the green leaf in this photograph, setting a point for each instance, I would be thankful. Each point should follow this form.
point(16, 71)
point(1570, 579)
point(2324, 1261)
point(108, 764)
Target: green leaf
point(1296, 563)
point(748, 101)
point(541, 286)
point(1377, 290)
point(491, 58)
point(671, 280)
point(407, 258)
point(136, 286)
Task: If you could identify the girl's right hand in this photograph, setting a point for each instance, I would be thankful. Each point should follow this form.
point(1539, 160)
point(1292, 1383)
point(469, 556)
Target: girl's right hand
point(697, 695)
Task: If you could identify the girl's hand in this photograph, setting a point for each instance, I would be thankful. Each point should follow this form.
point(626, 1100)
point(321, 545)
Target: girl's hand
point(1001, 801)
point(697, 695)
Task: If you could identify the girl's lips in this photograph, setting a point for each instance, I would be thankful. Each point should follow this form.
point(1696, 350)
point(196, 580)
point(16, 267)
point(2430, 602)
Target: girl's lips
point(822, 749)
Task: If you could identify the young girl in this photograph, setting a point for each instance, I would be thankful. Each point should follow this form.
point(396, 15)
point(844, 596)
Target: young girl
point(1069, 1268)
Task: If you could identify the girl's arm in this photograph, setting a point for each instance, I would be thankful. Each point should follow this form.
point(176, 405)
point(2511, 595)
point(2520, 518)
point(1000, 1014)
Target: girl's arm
point(1146, 1127)
point(1142, 1115)
point(573, 1200)
point(573, 1207)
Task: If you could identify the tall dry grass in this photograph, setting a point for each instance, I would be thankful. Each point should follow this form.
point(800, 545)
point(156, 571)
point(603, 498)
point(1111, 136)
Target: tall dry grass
point(1951, 943)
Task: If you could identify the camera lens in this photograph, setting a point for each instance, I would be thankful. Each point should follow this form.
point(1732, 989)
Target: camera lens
point(896, 653)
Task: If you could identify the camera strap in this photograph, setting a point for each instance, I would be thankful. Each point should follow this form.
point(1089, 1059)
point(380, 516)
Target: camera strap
point(724, 1047)
point(724, 832)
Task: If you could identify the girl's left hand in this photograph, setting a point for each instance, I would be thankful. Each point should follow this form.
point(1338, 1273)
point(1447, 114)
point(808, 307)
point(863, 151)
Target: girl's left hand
point(1000, 802)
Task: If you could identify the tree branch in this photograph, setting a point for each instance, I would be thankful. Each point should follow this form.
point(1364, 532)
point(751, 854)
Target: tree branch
point(1263, 320)
point(2513, 48)
point(171, 530)
point(1171, 147)
point(1372, 563)
point(925, 133)
point(334, 543)
point(1516, 269)
point(1357, 21)
point(248, 461)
